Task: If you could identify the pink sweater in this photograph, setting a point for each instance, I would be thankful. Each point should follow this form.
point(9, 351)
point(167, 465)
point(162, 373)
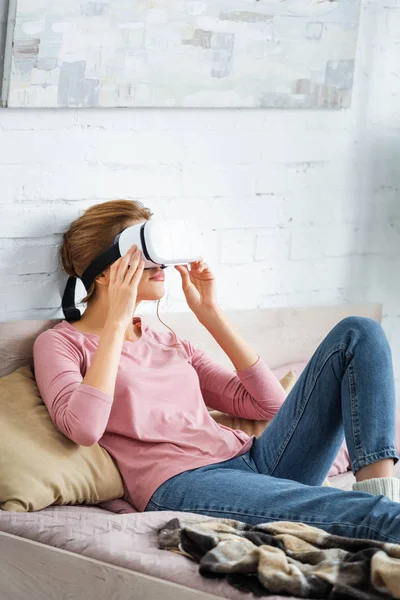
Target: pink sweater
point(157, 424)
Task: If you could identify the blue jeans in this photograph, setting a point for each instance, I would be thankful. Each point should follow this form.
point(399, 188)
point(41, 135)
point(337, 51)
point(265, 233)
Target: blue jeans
point(347, 389)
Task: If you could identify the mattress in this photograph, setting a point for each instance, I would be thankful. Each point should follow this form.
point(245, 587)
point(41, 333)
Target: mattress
point(126, 540)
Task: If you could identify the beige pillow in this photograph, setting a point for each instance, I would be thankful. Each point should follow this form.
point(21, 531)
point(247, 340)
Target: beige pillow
point(288, 381)
point(39, 466)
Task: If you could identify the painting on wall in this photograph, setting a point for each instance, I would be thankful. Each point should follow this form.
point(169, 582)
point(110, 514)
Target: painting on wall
point(181, 53)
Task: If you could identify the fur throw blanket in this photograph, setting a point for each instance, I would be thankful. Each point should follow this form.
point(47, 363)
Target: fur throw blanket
point(287, 558)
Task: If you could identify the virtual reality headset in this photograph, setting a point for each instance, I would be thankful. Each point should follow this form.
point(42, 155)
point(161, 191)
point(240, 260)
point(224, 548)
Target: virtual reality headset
point(163, 242)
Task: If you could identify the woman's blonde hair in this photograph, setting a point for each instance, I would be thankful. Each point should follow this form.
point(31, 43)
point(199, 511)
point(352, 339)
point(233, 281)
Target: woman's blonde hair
point(93, 233)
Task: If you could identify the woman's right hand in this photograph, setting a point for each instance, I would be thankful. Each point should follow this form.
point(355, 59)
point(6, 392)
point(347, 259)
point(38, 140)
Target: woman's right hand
point(125, 275)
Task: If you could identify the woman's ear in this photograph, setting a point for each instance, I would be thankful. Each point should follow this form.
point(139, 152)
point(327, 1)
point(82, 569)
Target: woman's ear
point(103, 278)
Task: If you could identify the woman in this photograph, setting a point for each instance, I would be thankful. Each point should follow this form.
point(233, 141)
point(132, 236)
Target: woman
point(142, 395)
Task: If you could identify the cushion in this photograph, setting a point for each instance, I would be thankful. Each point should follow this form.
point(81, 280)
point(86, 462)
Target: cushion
point(39, 466)
point(296, 367)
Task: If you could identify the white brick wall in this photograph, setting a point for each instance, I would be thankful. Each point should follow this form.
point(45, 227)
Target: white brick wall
point(297, 207)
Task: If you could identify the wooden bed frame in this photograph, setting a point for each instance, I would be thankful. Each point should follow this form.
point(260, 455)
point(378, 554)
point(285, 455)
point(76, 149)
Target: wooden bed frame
point(35, 571)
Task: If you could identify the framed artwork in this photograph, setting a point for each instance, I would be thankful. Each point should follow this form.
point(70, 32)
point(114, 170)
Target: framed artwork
point(180, 53)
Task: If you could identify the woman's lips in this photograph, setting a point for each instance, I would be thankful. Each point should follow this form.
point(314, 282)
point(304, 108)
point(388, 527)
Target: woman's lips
point(158, 277)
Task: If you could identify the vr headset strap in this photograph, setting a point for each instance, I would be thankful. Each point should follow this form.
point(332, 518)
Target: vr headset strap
point(70, 311)
point(97, 266)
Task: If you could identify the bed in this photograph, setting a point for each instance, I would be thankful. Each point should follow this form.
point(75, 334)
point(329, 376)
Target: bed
point(89, 552)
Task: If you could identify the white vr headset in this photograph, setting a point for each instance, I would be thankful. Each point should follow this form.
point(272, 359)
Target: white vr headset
point(163, 242)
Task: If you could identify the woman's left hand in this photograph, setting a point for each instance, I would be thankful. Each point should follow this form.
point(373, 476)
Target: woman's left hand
point(199, 286)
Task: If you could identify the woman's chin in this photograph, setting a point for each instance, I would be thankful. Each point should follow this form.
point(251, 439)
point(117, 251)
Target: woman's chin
point(155, 294)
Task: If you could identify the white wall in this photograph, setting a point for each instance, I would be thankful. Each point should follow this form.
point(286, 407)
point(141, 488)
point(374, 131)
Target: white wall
point(297, 207)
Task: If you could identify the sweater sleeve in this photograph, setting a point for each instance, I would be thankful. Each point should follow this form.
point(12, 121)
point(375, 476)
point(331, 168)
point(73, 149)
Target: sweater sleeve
point(78, 410)
point(254, 393)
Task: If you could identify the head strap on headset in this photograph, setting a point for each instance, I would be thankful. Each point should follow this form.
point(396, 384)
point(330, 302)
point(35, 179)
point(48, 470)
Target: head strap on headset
point(70, 311)
point(97, 266)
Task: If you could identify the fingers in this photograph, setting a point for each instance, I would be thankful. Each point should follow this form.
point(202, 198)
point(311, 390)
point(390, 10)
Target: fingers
point(184, 271)
point(199, 266)
point(136, 266)
point(182, 268)
point(196, 263)
point(133, 265)
point(128, 264)
point(120, 266)
point(137, 274)
point(203, 267)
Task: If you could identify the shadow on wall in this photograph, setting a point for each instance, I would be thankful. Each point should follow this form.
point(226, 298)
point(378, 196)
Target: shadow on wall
point(378, 235)
point(3, 24)
point(375, 210)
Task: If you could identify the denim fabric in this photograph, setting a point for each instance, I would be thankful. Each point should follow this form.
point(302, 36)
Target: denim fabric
point(347, 389)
